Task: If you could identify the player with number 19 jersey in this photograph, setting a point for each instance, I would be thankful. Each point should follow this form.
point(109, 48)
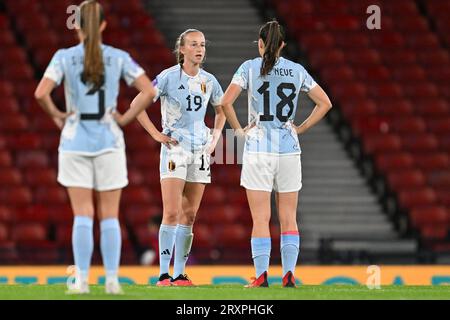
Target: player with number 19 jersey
point(91, 130)
point(272, 103)
point(184, 100)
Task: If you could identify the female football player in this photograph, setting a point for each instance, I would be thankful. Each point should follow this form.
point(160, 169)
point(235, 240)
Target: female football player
point(185, 90)
point(271, 159)
point(92, 148)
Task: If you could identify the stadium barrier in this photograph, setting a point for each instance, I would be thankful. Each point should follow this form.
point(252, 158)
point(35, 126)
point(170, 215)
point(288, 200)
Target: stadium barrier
point(308, 275)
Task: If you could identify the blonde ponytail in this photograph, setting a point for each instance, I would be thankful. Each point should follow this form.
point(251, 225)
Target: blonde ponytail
point(91, 14)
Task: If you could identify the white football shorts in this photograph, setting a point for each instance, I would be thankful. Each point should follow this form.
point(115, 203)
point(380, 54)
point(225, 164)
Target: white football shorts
point(104, 172)
point(267, 172)
point(176, 162)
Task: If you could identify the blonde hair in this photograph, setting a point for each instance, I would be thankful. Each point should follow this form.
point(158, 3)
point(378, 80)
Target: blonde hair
point(91, 16)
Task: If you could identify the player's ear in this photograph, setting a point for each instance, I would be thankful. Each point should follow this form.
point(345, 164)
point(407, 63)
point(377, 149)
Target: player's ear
point(261, 45)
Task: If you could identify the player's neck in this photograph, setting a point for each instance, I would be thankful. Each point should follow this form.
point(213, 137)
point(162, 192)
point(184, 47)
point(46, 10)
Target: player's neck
point(191, 69)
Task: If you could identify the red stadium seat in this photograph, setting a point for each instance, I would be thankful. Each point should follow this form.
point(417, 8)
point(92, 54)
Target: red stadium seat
point(419, 142)
point(42, 177)
point(34, 213)
point(32, 159)
point(4, 234)
point(6, 89)
point(394, 161)
point(382, 143)
point(12, 124)
point(15, 196)
point(386, 90)
point(408, 125)
point(332, 57)
point(394, 107)
point(137, 195)
point(136, 215)
point(235, 235)
point(359, 108)
point(398, 57)
point(434, 161)
point(10, 177)
point(27, 232)
point(350, 89)
point(435, 215)
point(423, 197)
point(433, 232)
point(24, 141)
point(409, 74)
point(51, 195)
point(9, 104)
point(213, 195)
point(204, 237)
point(5, 159)
point(406, 179)
point(432, 108)
point(6, 214)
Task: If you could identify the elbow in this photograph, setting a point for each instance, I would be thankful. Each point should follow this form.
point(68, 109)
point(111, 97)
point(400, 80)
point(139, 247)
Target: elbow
point(39, 95)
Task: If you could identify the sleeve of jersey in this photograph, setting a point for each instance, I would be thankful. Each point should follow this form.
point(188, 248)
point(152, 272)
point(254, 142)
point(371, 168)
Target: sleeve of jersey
point(54, 70)
point(217, 94)
point(240, 78)
point(308, 81)
point(160, 86)
point(131, 70)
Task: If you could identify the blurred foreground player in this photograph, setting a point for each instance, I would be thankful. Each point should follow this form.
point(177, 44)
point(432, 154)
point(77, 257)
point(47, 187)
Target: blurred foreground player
point(92, 147)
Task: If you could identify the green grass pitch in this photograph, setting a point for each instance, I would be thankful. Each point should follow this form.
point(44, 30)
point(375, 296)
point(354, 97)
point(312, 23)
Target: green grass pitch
point(230, 292)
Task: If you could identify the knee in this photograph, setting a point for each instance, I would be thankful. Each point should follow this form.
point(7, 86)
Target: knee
point(188, 217)
point(288, 225)
point(261, 220)
point(84, 210)
point(170, 216)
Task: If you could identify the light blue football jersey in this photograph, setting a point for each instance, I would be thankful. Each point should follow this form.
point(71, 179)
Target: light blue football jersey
point(184, 100)
point(272, 104)
point(91, 130)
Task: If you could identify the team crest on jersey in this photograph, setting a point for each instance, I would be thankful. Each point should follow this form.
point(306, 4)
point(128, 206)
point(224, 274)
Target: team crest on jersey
point(172, 165)
point(203, 87)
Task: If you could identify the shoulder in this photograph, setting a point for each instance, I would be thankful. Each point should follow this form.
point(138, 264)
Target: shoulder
point(251, 62)
point(114, 51)
point(295, 65)
point(68, 51)
point(208, 75)
point(169, 71)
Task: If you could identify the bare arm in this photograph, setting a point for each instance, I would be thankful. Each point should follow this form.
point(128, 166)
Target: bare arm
point(140, 103)
point(231, 94)
point(43, 97)
point(323, 105)
point(147, 93)
point(219, 123)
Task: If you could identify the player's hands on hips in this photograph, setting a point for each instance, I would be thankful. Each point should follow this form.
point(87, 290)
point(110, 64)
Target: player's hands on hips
point(300, 129)
point(165, 139)
point(212, 145)
point(243, 132)
point(119, 118)
point(59, 118)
